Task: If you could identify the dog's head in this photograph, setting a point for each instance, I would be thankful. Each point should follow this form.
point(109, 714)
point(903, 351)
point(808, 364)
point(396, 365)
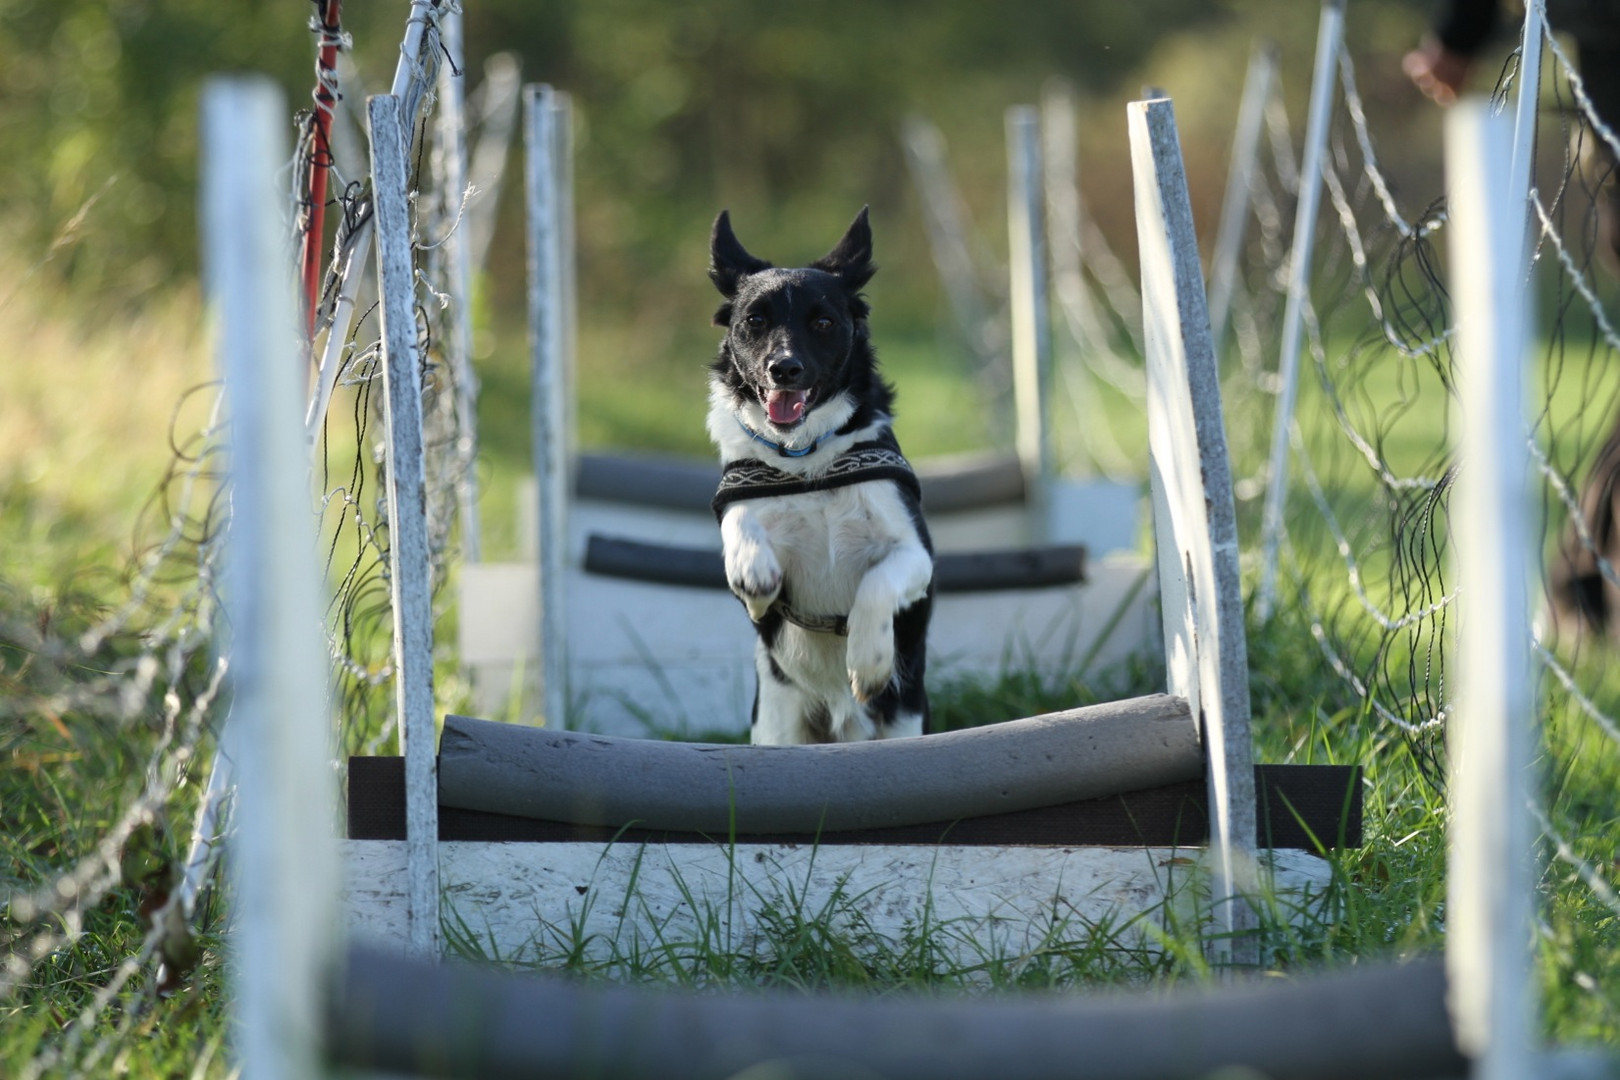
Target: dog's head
point(793, 337)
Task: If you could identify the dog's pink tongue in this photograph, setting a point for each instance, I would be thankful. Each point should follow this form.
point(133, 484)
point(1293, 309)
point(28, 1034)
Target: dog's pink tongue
point(785, 406)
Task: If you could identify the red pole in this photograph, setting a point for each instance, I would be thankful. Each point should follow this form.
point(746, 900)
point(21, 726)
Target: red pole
point(320, 158)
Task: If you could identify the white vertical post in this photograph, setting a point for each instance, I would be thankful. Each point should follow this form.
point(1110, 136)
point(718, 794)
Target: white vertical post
point(407, 77)
point(945, 216)
point(284, 859)
point(1194, 519)
point(548, 410)
point(1524, 113)
point(1329, 37)
point(450, 131)
point(1031, 322)
point(411, 572)
point(1239, 179)
point(562, 131)
point(421, 29)
point(1490, 884)
point(499, 98)
point(1063, 217)
point(333, 351)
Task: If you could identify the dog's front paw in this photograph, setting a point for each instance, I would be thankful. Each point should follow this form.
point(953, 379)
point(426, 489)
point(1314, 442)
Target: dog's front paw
point(870, 657)
point(755, 576)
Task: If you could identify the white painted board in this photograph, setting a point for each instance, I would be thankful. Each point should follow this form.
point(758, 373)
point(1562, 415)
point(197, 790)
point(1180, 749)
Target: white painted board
point(521, 902)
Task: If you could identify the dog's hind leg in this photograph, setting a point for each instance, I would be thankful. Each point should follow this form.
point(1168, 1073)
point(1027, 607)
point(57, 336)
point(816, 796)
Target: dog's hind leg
point(752, 569)
point(904, 726)
point(894, 583)
point(784, 714)
point(901, 710)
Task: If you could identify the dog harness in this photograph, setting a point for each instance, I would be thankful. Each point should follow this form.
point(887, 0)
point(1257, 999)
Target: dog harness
point(876, 459)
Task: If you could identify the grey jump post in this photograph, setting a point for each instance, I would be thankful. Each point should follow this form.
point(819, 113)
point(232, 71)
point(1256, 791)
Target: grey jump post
point(1191, 481)
point(1063, 215)
point(1223, 262)
point(411, 570)
point(1030, 315)
point(549, 407)
point(562, 157)
point(1524, 112)
point(498, 100)
point(450, 161)
point(1324, 78)
point(282, 857)
point(946, 218)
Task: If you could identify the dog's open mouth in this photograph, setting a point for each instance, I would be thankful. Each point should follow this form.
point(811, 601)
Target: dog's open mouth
point(786, 407)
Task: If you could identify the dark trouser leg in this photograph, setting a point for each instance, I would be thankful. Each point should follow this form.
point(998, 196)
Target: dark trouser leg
point(1600, 73)
point(1581, 595)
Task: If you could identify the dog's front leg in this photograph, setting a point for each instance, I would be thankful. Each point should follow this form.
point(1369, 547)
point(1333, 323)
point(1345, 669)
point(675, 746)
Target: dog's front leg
point(752, 569)
point(894, 583)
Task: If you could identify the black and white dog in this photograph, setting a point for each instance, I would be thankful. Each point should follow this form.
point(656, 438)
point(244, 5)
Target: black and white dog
point(820, 515)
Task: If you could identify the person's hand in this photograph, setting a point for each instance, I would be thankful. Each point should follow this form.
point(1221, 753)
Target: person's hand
point(1437, 71)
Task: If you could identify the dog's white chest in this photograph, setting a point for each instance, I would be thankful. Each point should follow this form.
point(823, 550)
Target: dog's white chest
point(828, 540)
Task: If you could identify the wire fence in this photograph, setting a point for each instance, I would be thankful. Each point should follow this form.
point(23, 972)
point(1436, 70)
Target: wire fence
point(350, 455)
point(1367, 538)
point(147, 679)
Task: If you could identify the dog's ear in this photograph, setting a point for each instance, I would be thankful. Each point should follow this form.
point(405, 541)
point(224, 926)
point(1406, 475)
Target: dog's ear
point(851, 258)
point(729, 261)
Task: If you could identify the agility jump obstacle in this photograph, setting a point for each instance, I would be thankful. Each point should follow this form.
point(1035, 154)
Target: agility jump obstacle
point(877, 820)
point(623, 560)
point(386, 1012)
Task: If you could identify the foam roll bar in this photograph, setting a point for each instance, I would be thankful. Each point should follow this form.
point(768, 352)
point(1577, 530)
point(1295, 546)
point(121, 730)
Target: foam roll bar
point(397, 1016)
point(954, 571)
point(968, 482)
point(585, 779)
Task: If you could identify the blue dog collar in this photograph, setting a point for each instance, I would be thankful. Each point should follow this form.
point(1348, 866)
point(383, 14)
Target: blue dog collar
point(778, 447)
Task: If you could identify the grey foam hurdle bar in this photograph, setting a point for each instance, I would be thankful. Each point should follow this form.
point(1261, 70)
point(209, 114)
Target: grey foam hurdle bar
point(999, 768)
point(966, 483)
point(962, 571)
point(401, 1016)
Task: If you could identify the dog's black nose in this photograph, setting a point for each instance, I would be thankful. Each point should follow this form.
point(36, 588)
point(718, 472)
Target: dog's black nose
point(785, 370)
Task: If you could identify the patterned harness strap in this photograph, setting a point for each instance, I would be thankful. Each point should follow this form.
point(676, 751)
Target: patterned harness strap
point(878, 459)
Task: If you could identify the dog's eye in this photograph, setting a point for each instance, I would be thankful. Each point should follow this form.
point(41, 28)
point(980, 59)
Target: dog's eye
point(756, 321)
point(821, 324)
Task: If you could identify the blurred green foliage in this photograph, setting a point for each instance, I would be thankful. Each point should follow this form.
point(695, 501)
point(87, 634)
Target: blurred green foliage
point(787, 113)
point(98, 100)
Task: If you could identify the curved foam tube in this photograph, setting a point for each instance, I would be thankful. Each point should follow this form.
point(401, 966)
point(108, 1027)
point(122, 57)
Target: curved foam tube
point(1040, 761)
point(954, 571)
point(969, 482)
point(406, 1016)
